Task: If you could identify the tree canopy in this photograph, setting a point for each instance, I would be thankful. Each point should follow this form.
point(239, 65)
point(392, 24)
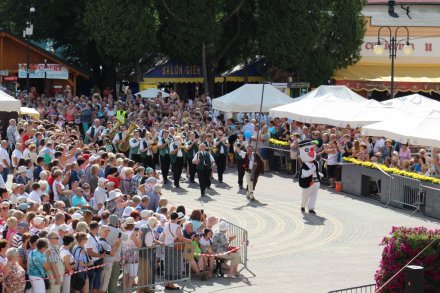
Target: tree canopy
point(307, 40)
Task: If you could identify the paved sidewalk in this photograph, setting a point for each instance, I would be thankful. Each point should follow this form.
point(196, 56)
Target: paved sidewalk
point(294, 252)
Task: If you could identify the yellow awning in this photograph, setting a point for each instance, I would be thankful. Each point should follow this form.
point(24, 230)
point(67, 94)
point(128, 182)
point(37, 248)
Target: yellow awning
point(200, 79)
point(378, 77)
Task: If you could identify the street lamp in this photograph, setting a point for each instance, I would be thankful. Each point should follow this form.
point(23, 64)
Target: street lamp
point(27, 33)
point(393, 44)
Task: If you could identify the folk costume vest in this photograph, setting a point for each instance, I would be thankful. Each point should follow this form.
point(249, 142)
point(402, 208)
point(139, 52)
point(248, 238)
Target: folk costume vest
point(205, 161)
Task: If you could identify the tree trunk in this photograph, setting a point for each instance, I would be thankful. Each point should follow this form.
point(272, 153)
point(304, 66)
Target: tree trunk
point(139, 74)
point(108, 78)
point(204, 69)
point(211, 69)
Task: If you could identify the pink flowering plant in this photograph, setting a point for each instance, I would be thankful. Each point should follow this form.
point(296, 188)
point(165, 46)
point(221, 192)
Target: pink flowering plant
point(399, 248)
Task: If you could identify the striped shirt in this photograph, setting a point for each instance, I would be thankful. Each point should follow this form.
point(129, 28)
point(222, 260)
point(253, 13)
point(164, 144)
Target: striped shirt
point(34, 231)
point(17, 240)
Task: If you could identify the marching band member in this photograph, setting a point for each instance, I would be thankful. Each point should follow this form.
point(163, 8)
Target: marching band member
point(239, 146)
point(135, 142)
point(220, 154)
point(106, 130)
point(164, 154)
point(176, 158)
point(118, 137)
point(94, 132)
point(209, 143)
point(252, 165)
point(204, 162)
point(146, 150)
point(191, 149)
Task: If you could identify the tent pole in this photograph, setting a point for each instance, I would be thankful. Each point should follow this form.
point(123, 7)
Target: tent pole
point(259, 130)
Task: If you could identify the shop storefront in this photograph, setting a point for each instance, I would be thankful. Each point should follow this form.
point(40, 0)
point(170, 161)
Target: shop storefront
point(46, 72)
point(187, 79)
point(418, 72)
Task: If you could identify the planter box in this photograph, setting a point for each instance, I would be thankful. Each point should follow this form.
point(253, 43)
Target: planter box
point(278, 147)
point(363, 181)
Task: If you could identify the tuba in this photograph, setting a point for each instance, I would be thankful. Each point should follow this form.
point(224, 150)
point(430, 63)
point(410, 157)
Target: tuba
point(114, 129)
point(124, 145)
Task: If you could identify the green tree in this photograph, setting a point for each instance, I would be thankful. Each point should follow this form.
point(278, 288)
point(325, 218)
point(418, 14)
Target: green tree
point(201, 32)
point(124, 30)
point(309, 40)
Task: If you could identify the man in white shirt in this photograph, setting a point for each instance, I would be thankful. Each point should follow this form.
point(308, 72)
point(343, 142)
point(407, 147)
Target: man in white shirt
point(36, 193)
point(16, 155)
point(94, 132)
point(378, 145)
point(5, 160)
point(59, 220)
point(100, 195)
point(93, 248)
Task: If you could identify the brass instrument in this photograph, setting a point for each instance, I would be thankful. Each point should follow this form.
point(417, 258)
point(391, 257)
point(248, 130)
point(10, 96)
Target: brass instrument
point(124, 145)
point(114, 130)
point(153, 145)
point(182, 145)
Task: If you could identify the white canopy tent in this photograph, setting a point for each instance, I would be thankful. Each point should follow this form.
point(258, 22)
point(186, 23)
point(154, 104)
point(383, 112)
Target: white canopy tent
point(421, 129)
point(333, 110)
point(247, 98)
point(9, 103)
point(30, 111)
point(413, 104)
point(339, 91)
point(151, 93)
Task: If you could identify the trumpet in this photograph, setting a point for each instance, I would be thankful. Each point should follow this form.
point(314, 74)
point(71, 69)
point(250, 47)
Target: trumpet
point(182, 145)
point(153, 145)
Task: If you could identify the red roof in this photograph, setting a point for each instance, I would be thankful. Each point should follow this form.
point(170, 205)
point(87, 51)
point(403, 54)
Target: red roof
point(405, 2)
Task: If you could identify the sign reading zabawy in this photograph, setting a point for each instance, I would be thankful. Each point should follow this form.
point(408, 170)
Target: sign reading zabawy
point(53, 71)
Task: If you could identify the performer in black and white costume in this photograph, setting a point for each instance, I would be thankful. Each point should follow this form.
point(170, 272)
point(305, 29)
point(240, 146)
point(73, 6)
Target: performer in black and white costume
point(309, 179)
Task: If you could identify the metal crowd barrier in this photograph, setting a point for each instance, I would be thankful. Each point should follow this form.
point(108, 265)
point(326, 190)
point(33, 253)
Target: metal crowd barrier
point(406, 192)
point(360, 289)
point(241, 241)
point(151, 266)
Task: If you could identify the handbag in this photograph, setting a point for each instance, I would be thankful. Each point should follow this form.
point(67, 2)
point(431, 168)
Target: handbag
point(78, 280)
point(28, 283)
point(46, 280)
point(177, 245)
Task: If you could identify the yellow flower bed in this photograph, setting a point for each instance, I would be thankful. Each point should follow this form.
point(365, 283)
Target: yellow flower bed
point(278, 142)
point(396, 171)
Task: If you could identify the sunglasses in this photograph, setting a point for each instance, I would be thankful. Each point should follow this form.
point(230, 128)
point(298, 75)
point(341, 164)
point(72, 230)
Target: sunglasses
point(5, 208)
point(86, 187)
point(55, 237)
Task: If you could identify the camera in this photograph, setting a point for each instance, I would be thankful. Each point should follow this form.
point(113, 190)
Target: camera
point(238, 143)
point(102, 251)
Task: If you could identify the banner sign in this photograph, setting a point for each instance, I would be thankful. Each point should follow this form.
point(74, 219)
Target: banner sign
point(173, 70)
point(359, 85)
point(53, 71)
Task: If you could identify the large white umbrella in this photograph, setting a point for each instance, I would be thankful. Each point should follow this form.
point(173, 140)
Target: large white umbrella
point(333, 110)
point(247, 98)
point(151, 93)
point(415, 129)
point(9, 103)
